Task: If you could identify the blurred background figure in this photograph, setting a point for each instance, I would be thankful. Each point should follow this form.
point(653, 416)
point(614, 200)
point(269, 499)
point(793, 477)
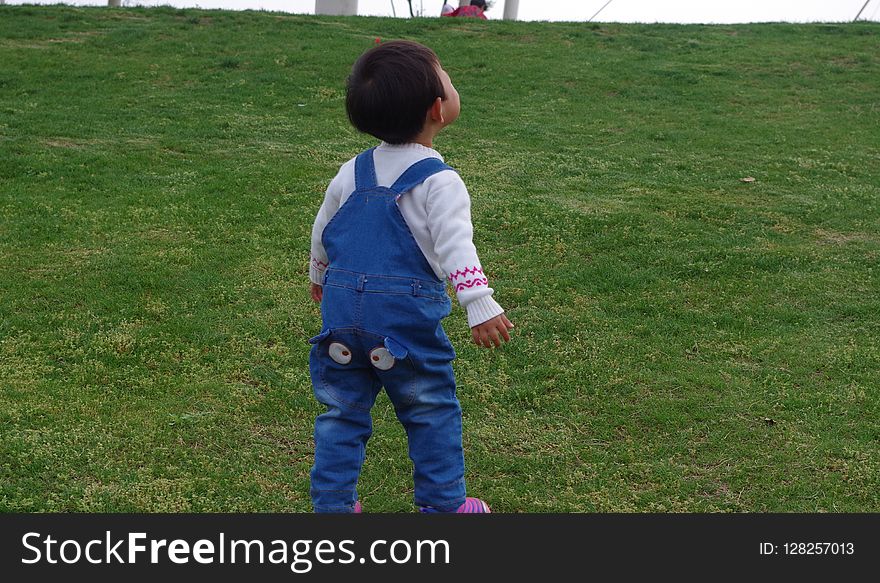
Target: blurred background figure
point(475, 10)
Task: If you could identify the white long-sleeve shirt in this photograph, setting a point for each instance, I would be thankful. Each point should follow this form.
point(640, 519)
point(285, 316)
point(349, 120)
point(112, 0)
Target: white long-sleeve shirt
point(438, 212)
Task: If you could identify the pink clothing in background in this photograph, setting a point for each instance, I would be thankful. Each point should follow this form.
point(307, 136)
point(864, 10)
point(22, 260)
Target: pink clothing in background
point(468, 11)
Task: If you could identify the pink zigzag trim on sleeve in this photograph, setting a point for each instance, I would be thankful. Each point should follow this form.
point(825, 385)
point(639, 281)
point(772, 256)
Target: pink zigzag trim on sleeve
point(467, 271)
point(471, 283)
point(318, 264)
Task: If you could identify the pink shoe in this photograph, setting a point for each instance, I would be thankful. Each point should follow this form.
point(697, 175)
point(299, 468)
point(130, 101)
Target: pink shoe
point(470, 506)
point(358, 509)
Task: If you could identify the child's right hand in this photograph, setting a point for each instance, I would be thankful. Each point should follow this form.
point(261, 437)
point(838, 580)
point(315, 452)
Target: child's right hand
point(490, 333)
point(317, 293)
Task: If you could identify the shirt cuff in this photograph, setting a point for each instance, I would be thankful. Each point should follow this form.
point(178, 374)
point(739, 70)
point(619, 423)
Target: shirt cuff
point(482, 309)
point(316, 275)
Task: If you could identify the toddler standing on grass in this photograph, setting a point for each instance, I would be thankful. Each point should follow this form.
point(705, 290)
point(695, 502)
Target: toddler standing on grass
point(394, 225)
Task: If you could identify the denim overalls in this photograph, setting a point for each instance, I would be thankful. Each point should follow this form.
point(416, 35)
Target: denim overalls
point(381, 311)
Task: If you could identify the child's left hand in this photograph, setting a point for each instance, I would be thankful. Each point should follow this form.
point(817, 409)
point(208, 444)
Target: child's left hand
point(317, 293)
point(491, 332)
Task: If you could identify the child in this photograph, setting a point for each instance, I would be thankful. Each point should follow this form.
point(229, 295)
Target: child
point(394, 224)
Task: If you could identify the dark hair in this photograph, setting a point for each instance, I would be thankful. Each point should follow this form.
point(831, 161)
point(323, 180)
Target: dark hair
point(391, 88)
point(479, 3)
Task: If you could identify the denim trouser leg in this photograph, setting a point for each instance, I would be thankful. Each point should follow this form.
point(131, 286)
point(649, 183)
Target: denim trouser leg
point(341, 435)
point(340, 446)
point(431, 416)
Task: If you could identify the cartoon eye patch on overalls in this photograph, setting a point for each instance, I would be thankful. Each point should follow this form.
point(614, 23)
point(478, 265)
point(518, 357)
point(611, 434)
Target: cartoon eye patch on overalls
point(379, 357)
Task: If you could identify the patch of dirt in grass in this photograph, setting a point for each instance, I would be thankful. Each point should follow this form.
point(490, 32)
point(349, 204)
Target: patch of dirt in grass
point(75, 37)
point(67, 143)
point(79, 143)
point(837, 238)
point(591, 207)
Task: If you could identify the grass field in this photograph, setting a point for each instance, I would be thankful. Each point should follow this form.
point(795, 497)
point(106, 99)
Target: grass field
point(686, 341)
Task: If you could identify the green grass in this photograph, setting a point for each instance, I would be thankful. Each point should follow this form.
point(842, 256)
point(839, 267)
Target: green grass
point(685, 341)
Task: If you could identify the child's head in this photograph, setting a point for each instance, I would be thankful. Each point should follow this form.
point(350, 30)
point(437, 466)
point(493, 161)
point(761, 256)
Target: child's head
point(392, 89)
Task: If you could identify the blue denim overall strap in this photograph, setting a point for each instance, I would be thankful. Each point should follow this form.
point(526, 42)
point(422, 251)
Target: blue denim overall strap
point(365, 171)
point(382, 308)
point(418, 173)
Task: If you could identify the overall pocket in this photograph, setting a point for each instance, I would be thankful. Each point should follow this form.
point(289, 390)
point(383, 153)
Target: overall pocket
point(340, 376)
point(349, 367)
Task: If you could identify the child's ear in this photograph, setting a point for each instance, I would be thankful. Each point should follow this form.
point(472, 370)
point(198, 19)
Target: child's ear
point(436, 111)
